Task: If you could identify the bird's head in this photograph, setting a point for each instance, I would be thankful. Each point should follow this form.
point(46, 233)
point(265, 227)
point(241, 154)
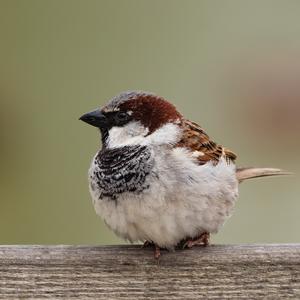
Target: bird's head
point(136, 117)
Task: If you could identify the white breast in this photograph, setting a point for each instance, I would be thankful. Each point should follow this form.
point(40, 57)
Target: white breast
point(183, 200)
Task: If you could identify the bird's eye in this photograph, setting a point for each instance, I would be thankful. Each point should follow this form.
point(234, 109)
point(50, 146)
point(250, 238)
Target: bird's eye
point(121, 118)
point(122, 115)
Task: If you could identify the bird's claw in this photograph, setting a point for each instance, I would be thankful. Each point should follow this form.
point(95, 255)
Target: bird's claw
point(202, 240)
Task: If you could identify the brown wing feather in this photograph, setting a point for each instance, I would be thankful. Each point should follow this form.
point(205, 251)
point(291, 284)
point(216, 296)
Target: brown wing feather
point(195, 139)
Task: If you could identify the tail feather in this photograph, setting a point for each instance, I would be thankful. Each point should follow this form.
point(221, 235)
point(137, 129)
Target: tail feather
point(247, 173)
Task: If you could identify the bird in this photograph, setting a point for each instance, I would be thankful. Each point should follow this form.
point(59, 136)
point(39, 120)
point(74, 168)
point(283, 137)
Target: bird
point(158, 178)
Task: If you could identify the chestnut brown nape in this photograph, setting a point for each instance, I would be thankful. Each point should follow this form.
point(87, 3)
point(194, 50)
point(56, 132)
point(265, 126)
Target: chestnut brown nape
point(151, 110)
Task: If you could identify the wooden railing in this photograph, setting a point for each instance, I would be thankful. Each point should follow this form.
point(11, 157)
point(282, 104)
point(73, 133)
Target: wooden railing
point(129, 272)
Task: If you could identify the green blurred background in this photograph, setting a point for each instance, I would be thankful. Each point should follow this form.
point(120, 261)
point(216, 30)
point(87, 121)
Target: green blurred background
point(232, 66)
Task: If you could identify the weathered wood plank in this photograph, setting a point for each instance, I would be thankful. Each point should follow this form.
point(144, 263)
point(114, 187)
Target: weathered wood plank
point(128, 272)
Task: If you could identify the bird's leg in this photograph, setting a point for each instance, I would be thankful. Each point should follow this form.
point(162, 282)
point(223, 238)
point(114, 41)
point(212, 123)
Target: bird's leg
point(155, 247)
point(156, 252)
point(203, 240)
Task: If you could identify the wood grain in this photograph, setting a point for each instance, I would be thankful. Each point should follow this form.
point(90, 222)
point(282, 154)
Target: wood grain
point(129, 272)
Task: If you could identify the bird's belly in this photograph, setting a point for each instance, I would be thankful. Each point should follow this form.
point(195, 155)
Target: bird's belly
point(175, 206)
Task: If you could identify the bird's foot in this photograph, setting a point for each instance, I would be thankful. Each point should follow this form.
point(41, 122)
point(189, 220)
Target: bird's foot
point(202, 240)
point(156, 248)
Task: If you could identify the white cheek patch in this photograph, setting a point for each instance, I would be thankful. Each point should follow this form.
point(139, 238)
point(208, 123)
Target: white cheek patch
point(135, 133)
point(132, 133)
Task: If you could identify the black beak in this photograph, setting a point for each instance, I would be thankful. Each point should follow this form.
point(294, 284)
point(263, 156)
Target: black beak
point(95, 118)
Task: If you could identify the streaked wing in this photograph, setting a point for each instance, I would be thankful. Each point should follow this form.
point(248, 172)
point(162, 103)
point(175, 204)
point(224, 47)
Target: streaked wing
point(195, 139)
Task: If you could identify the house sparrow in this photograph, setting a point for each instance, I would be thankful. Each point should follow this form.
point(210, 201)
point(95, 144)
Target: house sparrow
point(159, 178)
